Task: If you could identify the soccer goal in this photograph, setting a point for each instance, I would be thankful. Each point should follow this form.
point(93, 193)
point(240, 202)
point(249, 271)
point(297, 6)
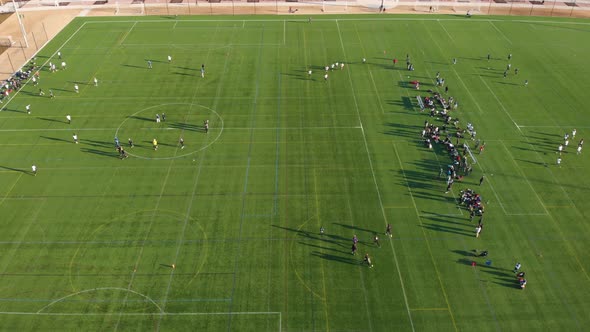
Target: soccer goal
point(332, 6)
point(425, 6)
point(7, 41)
point(467, 7)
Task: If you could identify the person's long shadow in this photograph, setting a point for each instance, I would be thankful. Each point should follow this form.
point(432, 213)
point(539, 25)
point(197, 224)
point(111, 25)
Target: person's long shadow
point(298, 231)
point(99, 152)
point(446, 229)
point(56, 139)
point(142, 118)
point(334, 258)
point(356, 228)
point(98, 143)
point(323, 248)
point(52, 120)
point(186, 126)
point(463, 253)
point(15, 169)
point(134, 66)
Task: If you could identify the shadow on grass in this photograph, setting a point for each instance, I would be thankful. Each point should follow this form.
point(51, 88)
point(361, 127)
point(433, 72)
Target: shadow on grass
point(98, 143)
point(142, 118)
point(52, 120)
point(447, 229)
point(464, 261)
point(339, 259)
point(442, 218)
point(100, 153)
point(13, 110)
point(135, 66)
point(56, 139)
point(16, 169)
point(463, 253)
point(187, 126)
point(324, 248)
point(355, 228)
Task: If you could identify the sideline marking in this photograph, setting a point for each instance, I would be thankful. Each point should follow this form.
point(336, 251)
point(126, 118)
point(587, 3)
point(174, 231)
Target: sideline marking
point(523, 175)
point(375, 181)
point(126, 34)
point(138, 313)
point(44, 63)
point(501, 33)
point(501, 105)
point(442, 287)
point(445, 29)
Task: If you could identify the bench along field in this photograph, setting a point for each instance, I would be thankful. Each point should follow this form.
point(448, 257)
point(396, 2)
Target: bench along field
point(222, 233)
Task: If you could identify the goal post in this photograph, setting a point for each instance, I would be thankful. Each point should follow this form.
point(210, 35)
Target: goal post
point(7, 41)
point(467, 7)
point(334, 6)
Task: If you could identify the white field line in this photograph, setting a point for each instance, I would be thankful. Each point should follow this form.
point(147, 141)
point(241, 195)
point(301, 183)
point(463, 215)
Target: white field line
point(445, 29)
point(501, 105)
point(127, 34)
point(524, 176)
point(501, 33)
point(425, 237)
point(396, 262)
point(25, 313)
point(46, 61)
point(457, 75)
point(372, 19)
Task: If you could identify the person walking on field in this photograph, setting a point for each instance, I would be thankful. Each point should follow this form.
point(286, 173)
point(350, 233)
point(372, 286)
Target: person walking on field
point(388, 230)
point(367, 260)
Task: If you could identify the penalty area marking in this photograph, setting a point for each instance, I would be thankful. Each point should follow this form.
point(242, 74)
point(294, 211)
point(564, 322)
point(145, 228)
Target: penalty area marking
point(40, 311)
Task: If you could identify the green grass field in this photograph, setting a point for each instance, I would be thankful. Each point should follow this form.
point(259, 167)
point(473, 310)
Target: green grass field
point(90, 241)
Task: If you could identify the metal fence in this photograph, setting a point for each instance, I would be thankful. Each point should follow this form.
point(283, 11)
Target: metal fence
point(33, 23)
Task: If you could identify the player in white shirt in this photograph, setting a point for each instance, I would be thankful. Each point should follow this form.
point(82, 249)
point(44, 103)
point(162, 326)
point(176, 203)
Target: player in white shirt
point(95, 81)
point(28, 108)
point(326, 77)
point(76, 88)
point(169, 58)
point(34, 170)
point(69, 118)
point(75, 137)
point(63, 65)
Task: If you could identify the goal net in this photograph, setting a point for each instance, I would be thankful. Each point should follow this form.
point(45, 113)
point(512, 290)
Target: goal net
point(467, 7)
point(6, 41)
point(426, 6)
point(333, 6)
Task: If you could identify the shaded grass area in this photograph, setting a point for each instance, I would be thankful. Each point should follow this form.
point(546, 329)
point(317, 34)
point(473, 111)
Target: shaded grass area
point(222, 233)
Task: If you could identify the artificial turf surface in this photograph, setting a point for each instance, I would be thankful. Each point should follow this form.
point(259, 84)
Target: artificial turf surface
point(90, 241)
